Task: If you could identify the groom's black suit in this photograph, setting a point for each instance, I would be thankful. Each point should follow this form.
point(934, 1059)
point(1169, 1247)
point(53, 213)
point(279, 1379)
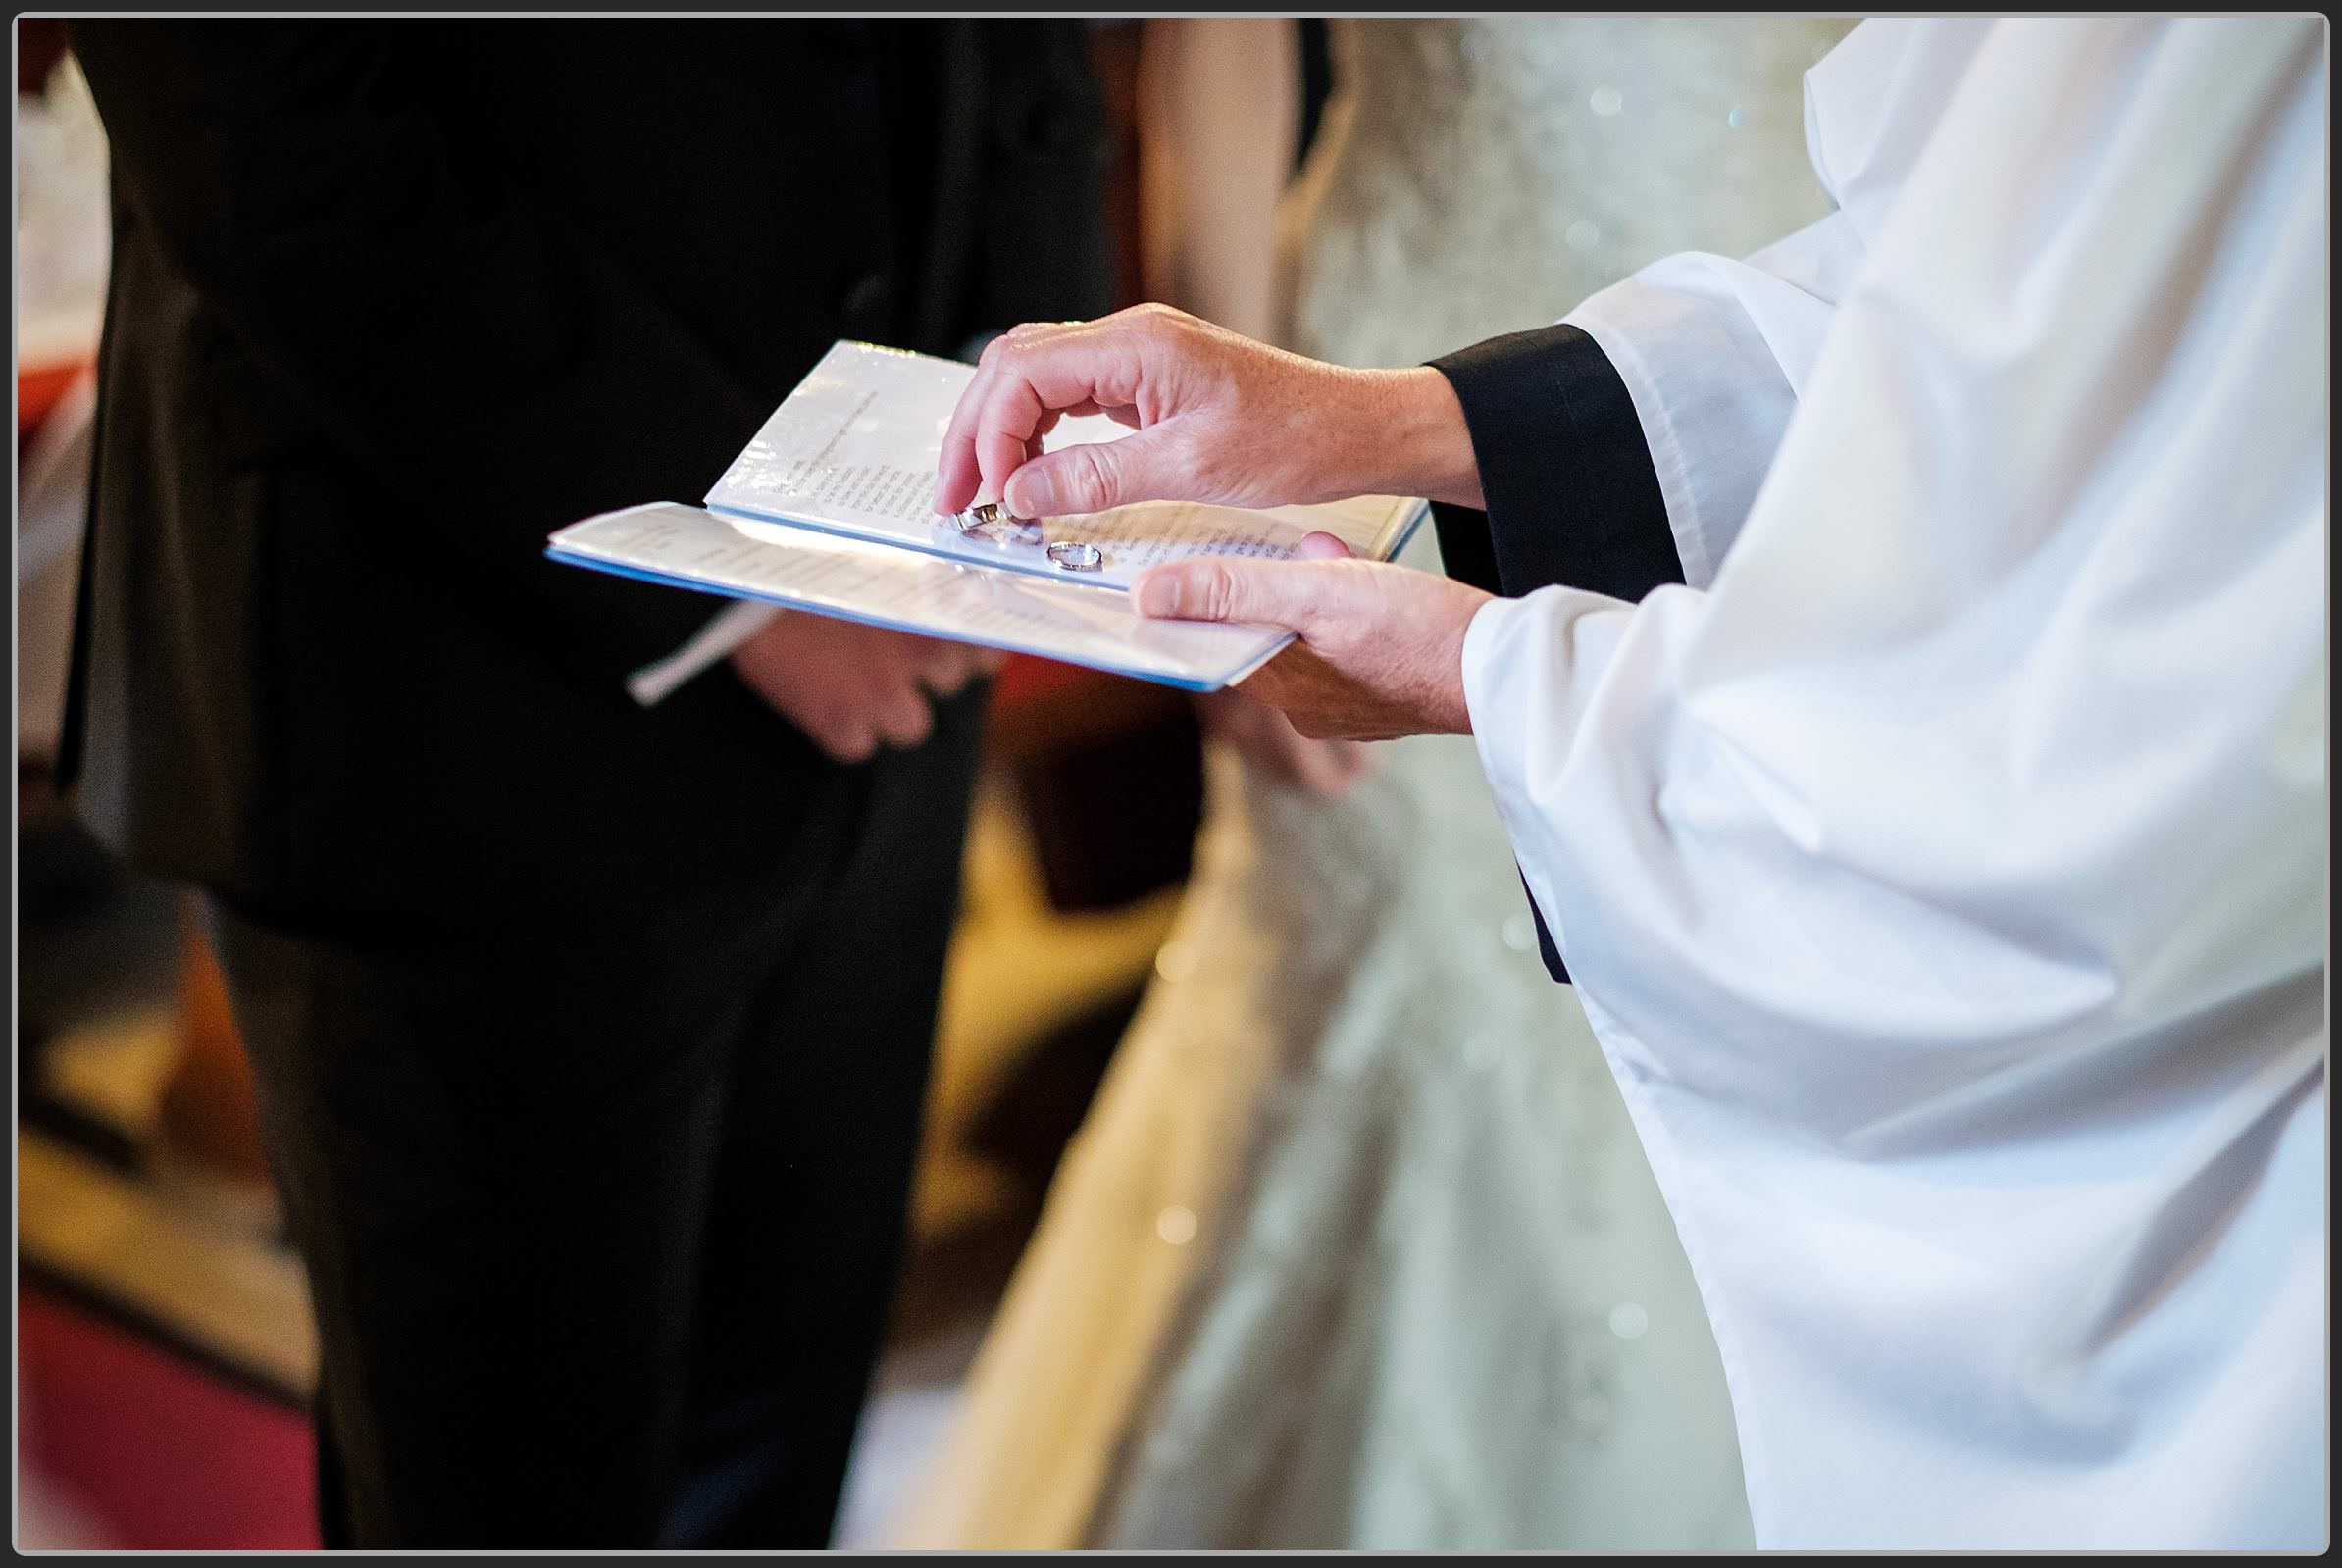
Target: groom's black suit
point(1572, 497)
point(591, 1038)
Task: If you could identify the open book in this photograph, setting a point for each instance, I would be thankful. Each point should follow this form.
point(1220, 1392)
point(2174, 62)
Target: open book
point(829, 511)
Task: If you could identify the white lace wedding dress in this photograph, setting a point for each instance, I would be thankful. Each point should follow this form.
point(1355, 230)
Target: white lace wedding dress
point(1358, 1248)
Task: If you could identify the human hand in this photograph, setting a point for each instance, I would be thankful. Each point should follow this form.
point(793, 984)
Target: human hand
point(1380, 649)
point(854, 688)
point(1217, 418)
point(1268, 739)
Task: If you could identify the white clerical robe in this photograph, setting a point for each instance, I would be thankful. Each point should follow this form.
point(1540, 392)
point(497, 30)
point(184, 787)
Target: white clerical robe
point(1943, 868)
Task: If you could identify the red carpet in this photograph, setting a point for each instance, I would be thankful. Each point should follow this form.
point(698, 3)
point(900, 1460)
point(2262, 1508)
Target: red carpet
point(150, 1450)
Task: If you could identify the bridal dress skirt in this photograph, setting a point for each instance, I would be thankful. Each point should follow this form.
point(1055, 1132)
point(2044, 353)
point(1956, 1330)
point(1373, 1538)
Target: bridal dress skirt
point(1357, 1248)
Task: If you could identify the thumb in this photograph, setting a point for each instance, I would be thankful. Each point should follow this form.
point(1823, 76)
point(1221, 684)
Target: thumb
point(1222, 588)
point(1095, 475)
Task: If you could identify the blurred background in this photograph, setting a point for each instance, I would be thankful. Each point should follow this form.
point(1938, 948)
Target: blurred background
point(164, 1347)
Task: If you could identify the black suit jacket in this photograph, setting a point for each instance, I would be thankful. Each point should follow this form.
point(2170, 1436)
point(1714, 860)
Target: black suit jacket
point(1566, 471)
point(392, 301)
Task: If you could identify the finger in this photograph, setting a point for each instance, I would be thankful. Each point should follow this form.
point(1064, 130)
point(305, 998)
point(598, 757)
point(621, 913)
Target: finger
point(976, 662)
point(1269, 738)
point(959, 478)
point(1089, 363)
point(1032, 370)
point(903, 717)
point(846, 737)
point(956, 478)
point(962, 476)
point(1324, 767)
point(959, 481)
point(1296, 594)
point(1005, 439)
point(1093, 476)
point(956, 475)
point(1319, 545)
point(1333, 766)
point(948, 671)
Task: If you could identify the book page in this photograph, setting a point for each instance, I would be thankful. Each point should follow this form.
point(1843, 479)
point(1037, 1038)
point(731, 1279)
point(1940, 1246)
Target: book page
point(853, 451)
point(885, 585)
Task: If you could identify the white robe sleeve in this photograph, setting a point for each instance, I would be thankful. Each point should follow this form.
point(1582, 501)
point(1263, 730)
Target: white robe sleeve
point(1945, 883)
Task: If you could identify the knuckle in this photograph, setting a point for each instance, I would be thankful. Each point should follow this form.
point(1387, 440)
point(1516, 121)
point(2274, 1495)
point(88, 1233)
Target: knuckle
point(1215, 590)
point(1154, 320)
point(1088, 477)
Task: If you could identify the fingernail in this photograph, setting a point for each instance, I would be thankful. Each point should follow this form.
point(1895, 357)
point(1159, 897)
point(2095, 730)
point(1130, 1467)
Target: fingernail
point(1031, 495)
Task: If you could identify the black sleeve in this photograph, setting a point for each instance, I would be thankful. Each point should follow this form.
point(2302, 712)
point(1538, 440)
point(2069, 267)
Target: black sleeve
point(1572, 497)
point(476, 360)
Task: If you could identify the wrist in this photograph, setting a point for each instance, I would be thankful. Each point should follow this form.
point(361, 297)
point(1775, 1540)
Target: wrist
point(1447, 704)
point(1412, 437)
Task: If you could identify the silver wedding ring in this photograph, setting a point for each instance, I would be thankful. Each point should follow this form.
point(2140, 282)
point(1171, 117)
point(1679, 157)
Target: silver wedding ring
point(996, 524)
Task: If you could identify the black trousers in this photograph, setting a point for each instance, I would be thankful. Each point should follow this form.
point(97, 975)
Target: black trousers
point(602, 1219)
